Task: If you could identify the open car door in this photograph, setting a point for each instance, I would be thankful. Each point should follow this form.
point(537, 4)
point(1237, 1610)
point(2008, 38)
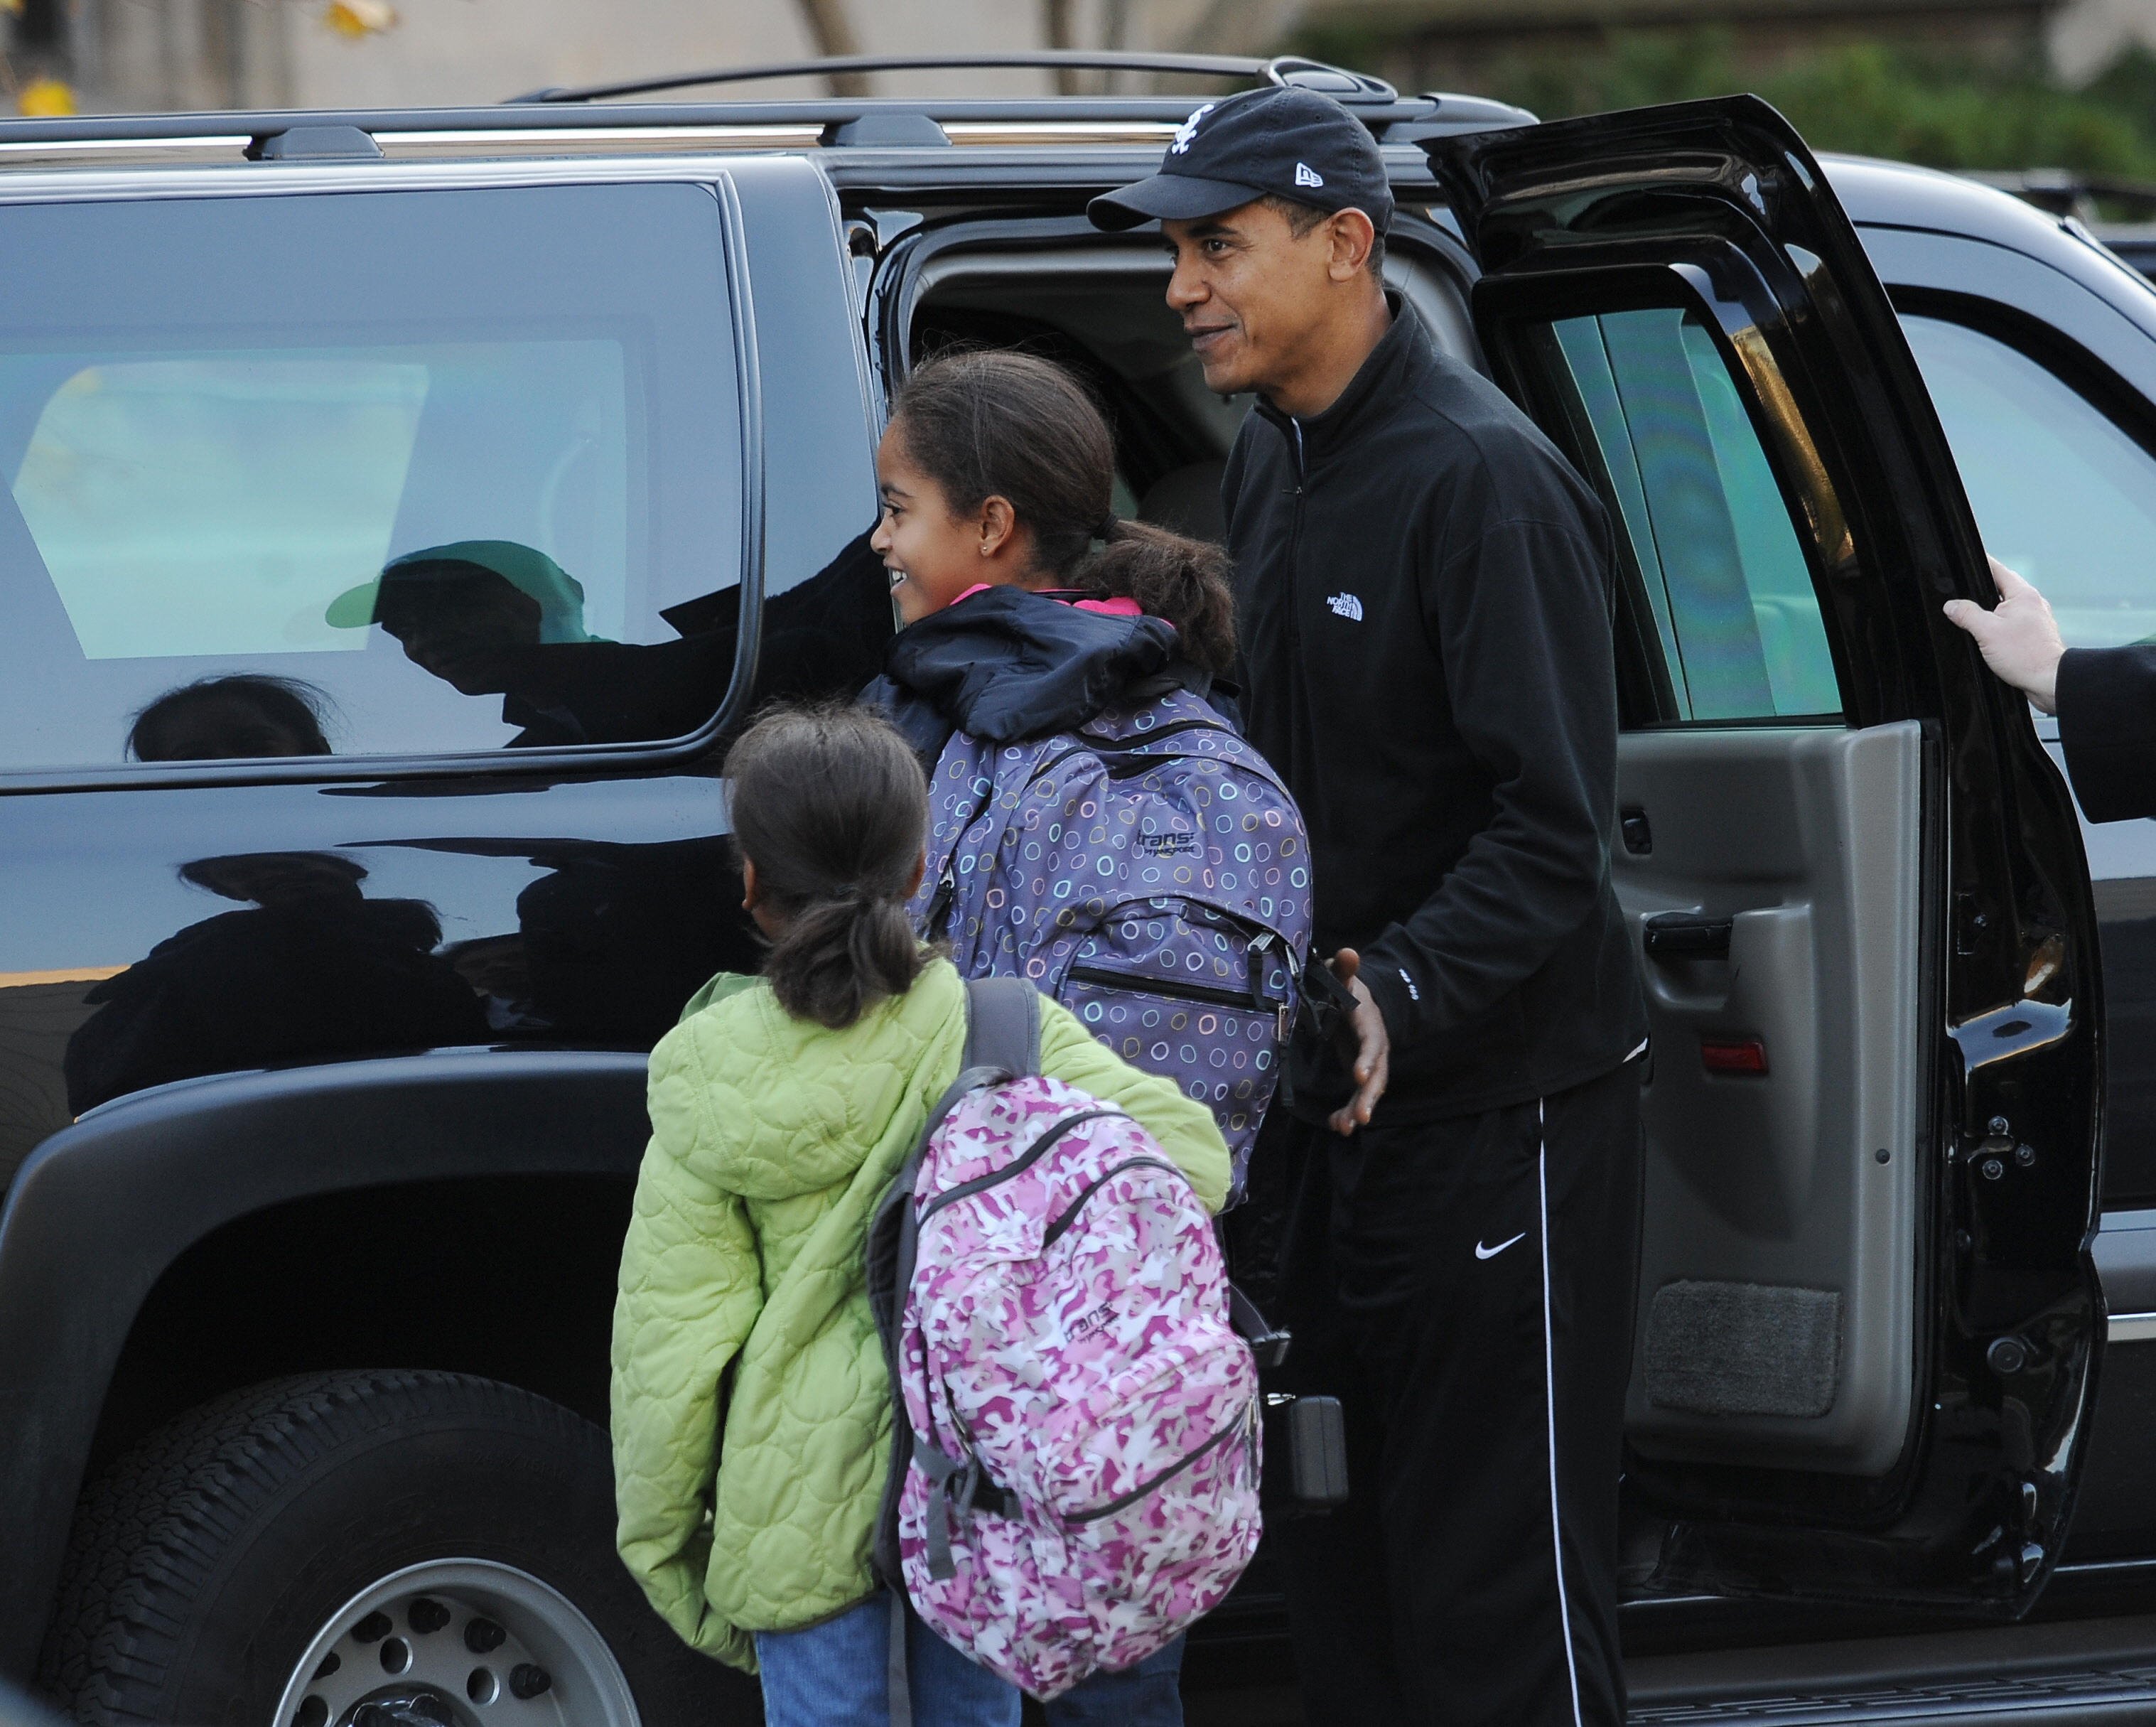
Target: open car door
point(1867, 1324)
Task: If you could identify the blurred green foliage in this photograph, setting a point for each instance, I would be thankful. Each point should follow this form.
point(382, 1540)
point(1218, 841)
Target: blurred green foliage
point(1871, 98)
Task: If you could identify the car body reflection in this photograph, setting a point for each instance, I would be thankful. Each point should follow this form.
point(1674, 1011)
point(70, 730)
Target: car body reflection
point(311, 970)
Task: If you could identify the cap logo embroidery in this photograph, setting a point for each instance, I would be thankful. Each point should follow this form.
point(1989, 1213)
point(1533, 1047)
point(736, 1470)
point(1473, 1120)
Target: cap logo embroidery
point(1188, 129)
point(1305, 175)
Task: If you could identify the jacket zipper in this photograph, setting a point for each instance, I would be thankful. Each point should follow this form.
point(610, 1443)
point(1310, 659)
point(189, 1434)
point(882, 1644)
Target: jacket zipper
point(1293, 560)
point(1248, 1000)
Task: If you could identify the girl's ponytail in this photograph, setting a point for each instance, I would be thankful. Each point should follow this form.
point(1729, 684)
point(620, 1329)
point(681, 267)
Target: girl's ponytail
point(987, 423)
point(1183, 580)
point(830, 804)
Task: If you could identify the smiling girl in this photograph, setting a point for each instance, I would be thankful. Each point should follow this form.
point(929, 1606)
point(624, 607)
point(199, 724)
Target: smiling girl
point(997, 471)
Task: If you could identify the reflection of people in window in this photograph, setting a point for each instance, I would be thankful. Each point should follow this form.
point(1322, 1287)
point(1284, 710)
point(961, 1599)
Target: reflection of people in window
point(312, 971)
point(470, 614)
point(491, 617)
point(220, 718)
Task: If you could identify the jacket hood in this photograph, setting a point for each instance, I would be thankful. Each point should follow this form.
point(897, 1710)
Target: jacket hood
point(1007, 664)
point(773, 1108)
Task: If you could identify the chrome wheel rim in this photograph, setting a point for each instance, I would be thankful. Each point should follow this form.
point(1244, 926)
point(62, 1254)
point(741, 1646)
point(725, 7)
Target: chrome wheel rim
point(457, 1643)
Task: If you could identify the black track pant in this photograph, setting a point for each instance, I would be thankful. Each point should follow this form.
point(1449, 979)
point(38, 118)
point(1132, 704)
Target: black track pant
point(1466, 1288)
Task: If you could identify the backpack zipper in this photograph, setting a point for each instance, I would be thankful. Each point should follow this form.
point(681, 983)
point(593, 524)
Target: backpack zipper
point(1248, 1000)
point(1069, 1215)
point(1017, 1166)
point(1145, 737)
point(1160, 1480)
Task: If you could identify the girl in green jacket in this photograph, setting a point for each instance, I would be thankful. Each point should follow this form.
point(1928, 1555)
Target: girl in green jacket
point(750, 1408)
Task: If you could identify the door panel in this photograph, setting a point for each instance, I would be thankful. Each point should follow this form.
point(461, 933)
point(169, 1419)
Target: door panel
point(1869, 1382)
point(1778, 1266)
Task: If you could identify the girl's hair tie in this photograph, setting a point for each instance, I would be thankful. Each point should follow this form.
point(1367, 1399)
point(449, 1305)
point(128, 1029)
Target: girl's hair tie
point(1105, 528)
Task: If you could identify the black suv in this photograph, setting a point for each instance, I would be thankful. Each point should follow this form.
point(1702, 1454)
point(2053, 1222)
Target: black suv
point(342, 907)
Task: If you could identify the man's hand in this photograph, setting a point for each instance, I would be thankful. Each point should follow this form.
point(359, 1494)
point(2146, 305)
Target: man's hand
point(2020, 641)
point(1372, 1046)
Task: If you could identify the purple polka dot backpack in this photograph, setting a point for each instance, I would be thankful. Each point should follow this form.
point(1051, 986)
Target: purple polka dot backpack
point(1147, 870)
point(1076, 1456)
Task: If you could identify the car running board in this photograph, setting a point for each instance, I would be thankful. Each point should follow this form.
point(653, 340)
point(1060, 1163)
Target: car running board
point(2111, 1695)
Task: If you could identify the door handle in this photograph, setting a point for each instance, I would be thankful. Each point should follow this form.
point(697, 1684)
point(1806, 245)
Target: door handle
point(1683, 935)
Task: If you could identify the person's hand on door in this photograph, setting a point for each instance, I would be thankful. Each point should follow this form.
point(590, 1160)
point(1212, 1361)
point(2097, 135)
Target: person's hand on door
point(2019, 638)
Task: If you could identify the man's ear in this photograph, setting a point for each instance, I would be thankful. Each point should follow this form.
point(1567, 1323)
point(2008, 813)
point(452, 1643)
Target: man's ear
point(1350, 234)
point(748, 884)
point(997, 523)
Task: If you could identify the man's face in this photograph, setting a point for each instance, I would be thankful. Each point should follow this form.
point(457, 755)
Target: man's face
point(460, 628)
point(1250, 293)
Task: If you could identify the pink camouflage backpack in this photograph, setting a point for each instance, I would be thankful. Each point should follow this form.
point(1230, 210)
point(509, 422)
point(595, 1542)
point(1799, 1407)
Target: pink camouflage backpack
point(1075, 1454)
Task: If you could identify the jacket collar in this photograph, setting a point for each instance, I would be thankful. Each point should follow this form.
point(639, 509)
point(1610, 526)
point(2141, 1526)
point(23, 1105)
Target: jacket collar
point(1386, 370)
point(1006, 664)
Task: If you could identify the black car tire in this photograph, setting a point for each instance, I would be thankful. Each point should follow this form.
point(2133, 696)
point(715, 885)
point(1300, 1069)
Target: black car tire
point(205, 1562)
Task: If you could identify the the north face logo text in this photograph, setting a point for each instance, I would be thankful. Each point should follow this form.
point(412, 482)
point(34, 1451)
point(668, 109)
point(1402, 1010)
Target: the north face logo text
point(1305, 174)
point(1345, 605)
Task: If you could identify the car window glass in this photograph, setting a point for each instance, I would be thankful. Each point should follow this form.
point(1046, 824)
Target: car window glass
point(402, 472)
point(1691, 490)
point(2062, 494)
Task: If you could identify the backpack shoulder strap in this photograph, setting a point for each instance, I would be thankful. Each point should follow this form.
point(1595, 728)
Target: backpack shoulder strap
point(1003, 1026)
point(1002, 1037)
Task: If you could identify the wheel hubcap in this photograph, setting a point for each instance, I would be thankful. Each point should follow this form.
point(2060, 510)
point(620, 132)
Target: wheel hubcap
point(457, 1643)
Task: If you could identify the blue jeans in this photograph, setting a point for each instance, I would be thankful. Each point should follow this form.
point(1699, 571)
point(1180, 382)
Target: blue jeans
point(1147, 1695)
point(838, 1674)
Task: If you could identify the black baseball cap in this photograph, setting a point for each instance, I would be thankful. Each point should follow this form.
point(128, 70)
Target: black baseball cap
point(1282, 142)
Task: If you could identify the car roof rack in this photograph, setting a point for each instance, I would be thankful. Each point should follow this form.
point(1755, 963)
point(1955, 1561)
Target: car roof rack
point(2068, 192)
point(1281, 70)
point(291, 135)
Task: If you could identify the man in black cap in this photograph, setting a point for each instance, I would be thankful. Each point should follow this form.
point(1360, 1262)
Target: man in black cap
point(1424, 594)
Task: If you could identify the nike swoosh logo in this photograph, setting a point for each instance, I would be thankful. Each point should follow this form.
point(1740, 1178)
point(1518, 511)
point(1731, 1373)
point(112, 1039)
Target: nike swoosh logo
point(1482, 1252)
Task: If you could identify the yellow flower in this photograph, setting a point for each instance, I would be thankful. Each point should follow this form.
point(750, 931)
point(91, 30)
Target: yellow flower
point(44, 97)
point(357, 19)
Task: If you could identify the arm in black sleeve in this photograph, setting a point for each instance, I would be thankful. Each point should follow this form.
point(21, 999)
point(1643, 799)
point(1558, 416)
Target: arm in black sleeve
point(1521, 620)
point(2106, 699)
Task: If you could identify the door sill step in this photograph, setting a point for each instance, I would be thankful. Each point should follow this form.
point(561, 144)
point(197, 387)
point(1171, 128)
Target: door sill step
point(2054, 1699)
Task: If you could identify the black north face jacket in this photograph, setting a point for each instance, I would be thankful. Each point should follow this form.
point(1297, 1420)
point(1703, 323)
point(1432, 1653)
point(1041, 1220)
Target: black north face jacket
point(1424, 595)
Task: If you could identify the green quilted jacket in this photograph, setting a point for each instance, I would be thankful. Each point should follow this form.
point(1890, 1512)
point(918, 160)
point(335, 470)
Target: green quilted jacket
point(743, 1300)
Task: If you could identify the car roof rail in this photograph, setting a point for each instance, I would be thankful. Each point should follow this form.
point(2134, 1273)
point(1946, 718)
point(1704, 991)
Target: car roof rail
point(890, 128)
point(1284, 70)
point(313, 143)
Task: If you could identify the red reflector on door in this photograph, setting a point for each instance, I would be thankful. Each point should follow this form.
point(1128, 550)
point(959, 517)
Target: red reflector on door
point(1748, 1056)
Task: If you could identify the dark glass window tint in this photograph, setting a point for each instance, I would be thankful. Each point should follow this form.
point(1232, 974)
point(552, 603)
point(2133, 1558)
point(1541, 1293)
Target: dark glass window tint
point(2064, 497)
point(424, 469)
point(1724, 571)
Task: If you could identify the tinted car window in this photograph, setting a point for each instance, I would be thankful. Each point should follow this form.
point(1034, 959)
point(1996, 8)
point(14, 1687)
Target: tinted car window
point(2060, 492)
point(426, 468)
point(1725, 574)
